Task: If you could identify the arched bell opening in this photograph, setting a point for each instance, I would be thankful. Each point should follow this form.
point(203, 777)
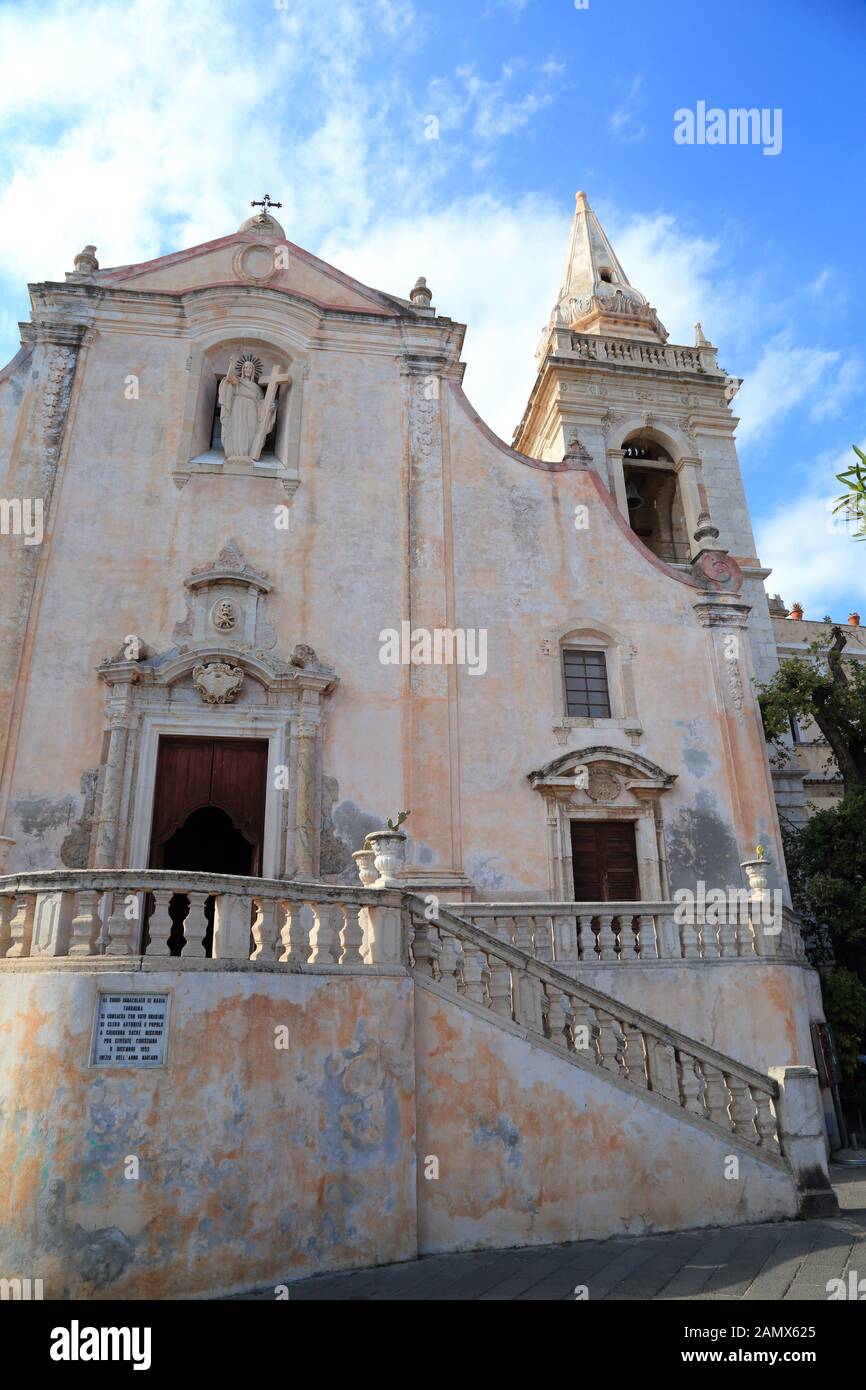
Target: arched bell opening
point(652, 494)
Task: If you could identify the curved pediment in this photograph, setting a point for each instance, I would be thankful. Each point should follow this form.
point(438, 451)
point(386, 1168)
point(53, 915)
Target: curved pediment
point(210, 665)
point(632, 765)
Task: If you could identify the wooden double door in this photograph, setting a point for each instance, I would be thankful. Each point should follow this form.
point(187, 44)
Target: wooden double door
point(209, 805)
point(604, 857)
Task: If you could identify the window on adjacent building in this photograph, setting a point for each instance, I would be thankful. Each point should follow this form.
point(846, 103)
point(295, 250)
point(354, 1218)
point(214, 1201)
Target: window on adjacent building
point(586, 689)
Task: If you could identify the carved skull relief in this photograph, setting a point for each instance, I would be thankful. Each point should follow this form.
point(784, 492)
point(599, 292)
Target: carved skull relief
point(224, 615)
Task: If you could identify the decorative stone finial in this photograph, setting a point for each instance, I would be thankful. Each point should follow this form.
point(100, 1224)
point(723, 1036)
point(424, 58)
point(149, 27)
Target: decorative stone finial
point(581, 202)
point(86, 262)
point(420, 295)
point(700, 340)
point(705, 529)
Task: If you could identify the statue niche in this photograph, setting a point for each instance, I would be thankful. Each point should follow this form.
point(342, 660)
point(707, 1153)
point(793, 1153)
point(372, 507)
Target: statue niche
point(247, 413)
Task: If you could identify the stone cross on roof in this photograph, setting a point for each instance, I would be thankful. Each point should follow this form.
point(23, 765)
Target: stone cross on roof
point(265, 204)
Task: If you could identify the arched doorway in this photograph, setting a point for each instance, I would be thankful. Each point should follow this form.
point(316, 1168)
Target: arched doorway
point(208, 815)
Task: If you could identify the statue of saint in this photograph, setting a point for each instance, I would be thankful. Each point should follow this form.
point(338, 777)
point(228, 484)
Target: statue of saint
point(246, 414)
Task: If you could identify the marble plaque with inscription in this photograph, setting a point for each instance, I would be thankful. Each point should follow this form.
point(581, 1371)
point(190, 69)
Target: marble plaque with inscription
point(131, 1030)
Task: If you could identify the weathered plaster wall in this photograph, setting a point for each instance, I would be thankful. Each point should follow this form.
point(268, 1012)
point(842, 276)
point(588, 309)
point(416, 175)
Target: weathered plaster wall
point(532, 1149)
point(256, 1163)
point(259, 1164)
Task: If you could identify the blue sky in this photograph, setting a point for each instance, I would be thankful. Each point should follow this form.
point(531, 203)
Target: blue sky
point(147, 126)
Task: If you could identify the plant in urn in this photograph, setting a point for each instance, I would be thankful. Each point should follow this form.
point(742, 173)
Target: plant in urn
point(389, 847)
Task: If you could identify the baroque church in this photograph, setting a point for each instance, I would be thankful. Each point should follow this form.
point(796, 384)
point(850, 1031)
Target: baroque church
point(268, 583)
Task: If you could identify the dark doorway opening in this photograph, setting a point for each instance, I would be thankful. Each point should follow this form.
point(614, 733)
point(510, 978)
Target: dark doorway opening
point(209, 842)
point(604, 858)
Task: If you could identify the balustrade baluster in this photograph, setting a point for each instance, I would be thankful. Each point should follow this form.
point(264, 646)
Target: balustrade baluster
point(121, 928)
point(473, 973)
point(728, 933)
point(542, 939)
point(160, 924)
point(323, 938)
point(8, 902)
point(709, 936)
point(689, 936)
point(645, 943)
point(611, 1042)
point(293, 938)
point(765, 1120)
point(716, 1096)
point(635, 1058)
point(584, 1029)
point(586, 939)
point(449, 960)
point(743, 1108)
point(351, 936)
point(265, 929)
point(555, 1015)
point(426, 946)
point(606, 938)
point(523, 934)
point(85, 926)
point(195, 925)
point(745, 937)
point(692, 1083)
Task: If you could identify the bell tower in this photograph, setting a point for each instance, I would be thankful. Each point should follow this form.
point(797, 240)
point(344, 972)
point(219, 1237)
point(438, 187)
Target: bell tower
point(653, 418)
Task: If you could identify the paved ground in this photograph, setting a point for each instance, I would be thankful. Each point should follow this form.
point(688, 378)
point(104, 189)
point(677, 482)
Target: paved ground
point(782, 1260)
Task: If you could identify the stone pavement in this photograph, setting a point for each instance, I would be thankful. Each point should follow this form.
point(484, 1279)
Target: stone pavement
point(778, 1260)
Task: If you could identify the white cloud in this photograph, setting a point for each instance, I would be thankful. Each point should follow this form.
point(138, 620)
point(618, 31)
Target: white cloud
point(785, 377)
point(626, 121)
point(820, 283)
point(835, 394)
point(491, 265)
point(486, 108)
point(815, 561)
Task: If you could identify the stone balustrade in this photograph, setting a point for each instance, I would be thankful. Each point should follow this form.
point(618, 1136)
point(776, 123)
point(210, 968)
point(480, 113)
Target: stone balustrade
point(159, 914)
point(173, 913)
point(597, 348)
point(582, 1022)
point(570, 934)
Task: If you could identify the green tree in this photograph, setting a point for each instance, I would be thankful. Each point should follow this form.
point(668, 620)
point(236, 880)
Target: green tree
point(853, 501)
point(826, 858)
point(831, 691)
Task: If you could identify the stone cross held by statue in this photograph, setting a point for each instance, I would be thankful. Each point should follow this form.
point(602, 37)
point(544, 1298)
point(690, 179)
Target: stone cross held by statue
point(271, 382)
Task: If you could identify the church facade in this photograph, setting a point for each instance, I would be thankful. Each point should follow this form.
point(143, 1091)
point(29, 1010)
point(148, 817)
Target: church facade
point(267, 581)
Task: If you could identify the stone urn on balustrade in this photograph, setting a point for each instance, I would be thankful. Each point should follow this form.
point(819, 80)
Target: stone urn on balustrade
point(756, 873)
point(365, 861)
point(389, 849)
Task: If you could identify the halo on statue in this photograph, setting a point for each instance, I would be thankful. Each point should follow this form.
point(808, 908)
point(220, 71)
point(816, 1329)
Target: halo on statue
point(258, 365)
